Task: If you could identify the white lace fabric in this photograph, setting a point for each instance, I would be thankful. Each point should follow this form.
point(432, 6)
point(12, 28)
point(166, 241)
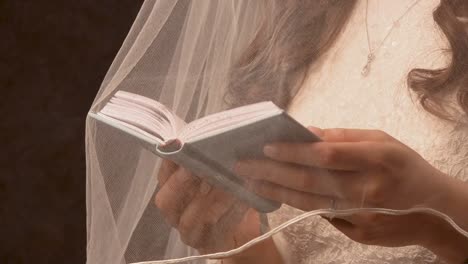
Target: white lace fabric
point(336, 95)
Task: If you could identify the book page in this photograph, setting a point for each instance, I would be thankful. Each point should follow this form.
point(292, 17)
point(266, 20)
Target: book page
point(221, 119)
point(142, 114)
point(136, 119)
point(230, 123)
point(155, 107)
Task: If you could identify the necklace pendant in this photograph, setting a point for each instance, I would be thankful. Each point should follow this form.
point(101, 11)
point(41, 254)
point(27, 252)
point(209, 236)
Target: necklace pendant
point(366, 69)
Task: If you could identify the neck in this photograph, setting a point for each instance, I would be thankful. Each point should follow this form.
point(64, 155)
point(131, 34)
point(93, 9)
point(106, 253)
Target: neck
point(383, 16)
point(390, 9)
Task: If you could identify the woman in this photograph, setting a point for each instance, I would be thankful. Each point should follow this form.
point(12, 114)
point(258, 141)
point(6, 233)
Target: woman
point(348, 71)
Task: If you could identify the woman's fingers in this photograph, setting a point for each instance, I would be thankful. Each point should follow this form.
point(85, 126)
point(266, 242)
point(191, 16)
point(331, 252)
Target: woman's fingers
point(241, 221)
point(201, 216)
point(348, 156)
point(350, 135)
point(297, 177)
point(176, 194)
point(165, 171)
point(301, 200)
point(342, 225)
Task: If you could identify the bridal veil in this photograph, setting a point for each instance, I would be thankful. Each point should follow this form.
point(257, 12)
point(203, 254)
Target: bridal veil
point(181, 53)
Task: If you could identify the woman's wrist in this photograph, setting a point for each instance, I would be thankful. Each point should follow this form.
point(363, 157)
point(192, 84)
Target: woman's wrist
point(446, 242)
point(442, 239)
point(451, 198)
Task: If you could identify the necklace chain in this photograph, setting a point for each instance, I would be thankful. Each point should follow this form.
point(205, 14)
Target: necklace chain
point(371, 55)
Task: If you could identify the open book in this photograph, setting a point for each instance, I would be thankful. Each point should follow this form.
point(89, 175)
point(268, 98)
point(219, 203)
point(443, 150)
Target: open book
point(209, 146)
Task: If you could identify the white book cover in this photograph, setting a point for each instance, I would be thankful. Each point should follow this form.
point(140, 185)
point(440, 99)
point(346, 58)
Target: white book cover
point(209, 146)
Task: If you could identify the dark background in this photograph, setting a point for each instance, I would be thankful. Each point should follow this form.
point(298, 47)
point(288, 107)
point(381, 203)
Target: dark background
point(53, 57)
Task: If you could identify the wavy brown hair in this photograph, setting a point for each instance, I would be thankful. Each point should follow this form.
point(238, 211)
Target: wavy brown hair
point(297, 33)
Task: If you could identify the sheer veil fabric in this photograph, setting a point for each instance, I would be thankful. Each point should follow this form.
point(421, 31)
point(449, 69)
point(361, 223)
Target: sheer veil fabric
point(180, 53)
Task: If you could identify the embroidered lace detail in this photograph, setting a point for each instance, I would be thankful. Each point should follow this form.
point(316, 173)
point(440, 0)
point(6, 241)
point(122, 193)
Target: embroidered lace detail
point(378, 101)
point(316, 241)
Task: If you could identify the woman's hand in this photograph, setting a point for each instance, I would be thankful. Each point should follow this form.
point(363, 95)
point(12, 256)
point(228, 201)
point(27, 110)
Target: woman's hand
point(353, 168)
point(207, 218)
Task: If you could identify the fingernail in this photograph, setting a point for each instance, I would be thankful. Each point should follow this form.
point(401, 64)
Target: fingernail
point(270, 151)
point(205, 188)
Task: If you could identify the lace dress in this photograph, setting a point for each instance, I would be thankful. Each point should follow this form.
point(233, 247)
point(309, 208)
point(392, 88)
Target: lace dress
point(336, 95)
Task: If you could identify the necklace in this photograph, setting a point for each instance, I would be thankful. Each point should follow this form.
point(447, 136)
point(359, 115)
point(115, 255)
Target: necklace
point(372, 51)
